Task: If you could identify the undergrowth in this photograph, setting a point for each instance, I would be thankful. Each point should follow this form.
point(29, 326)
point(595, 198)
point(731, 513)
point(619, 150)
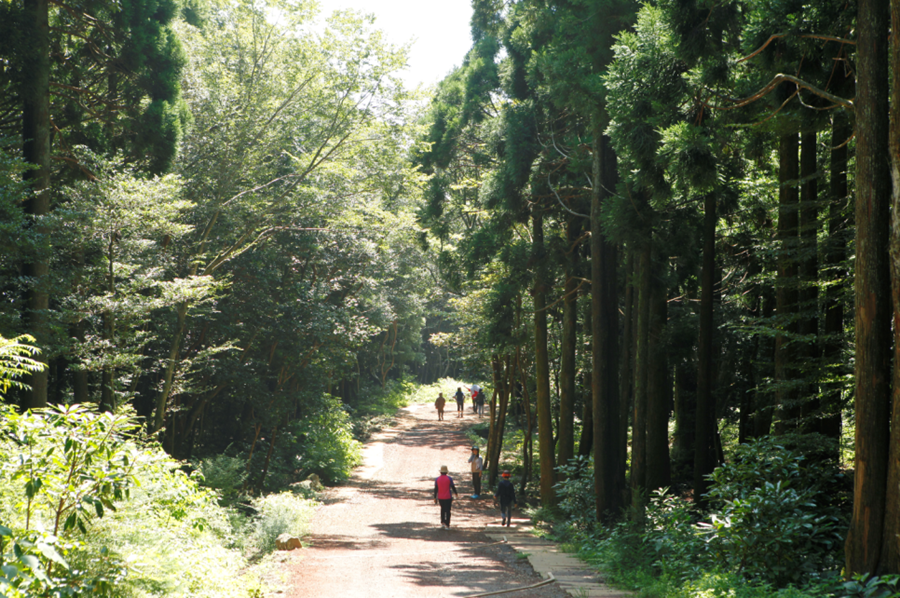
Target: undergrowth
point(774, 529)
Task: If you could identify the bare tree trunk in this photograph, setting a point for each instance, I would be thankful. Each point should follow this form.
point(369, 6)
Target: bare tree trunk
point(502, 391)
point(786, 397)
point(864, 546)
point(36, 151)
point(890, 549)
point(641, 379)
point(566, 441)
point(527, 451)
point(542, 368)
point(809, 276)
point(586, 442)
point(626, 364)
point(704, 454)
point(609, 448)
point(658, 394)
point(835, 256)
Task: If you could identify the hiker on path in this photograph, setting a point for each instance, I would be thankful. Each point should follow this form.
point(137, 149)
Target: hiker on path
point(444, 490)
point(475, 390)
point(479, 404)
point(506, 496)
point(477, 465)
point(439, 405)
point(460, 401)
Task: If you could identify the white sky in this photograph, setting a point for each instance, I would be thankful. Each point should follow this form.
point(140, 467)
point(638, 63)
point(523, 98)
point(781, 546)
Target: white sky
point(439, 30)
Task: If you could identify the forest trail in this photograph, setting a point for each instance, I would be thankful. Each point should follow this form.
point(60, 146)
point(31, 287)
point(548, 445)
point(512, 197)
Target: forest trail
point(379, 535)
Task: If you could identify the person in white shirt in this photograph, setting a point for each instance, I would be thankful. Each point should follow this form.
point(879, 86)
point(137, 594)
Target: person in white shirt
point(477, 465)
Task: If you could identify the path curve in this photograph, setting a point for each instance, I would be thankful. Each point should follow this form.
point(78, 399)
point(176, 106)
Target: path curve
point(379, 535)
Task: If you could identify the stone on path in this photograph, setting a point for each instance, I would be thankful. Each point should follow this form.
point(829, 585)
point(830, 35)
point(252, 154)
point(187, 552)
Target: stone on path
point(287, 542)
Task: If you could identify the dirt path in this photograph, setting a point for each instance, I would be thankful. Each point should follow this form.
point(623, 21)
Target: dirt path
point(379, 535)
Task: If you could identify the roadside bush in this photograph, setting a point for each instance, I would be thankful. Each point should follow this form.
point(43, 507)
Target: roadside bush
point(224, 474)
point(89, 508)
point(772, 521)
point(278, 514)
point(669, 530)
point(325, 443)
point(575, 492)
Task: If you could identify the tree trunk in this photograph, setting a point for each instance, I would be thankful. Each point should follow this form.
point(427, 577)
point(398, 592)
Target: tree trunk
point(658, 394)
point(835, 256)
point(764, 401)
point(641, 379)
point(527, 451)
point(566, 442)
point(809, 277)
point(704, 454)
point(864, 544)
point(542, 366)
point(684, 436)
point(501, 391)
point(890, 549)
point(36, 151)
point(609, 449)
point(169, 374)
point(786, 397)
point(586, 442)
point(626, 364)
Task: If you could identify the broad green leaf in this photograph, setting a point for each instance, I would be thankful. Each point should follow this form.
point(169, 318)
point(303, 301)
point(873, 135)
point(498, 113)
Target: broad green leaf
point(51, 553)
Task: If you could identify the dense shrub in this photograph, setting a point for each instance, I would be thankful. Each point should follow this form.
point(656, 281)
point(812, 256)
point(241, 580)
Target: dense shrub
point(224, 474)
point(325, 443)
point(773, 521)
point(279, 514)
point(575, 492)
point(89, 508)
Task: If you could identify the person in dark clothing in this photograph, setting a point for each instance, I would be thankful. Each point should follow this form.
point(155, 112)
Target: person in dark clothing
point(444, 491)
point(460, 401)
point(506, 496)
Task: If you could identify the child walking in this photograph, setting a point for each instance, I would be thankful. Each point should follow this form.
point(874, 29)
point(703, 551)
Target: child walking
point(506, 496)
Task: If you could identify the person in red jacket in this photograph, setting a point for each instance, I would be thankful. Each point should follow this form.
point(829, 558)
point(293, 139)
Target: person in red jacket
point(444, 491)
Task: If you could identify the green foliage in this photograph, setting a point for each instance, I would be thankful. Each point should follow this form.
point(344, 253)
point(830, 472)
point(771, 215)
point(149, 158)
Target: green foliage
point(226, 475)
point(325, 443)
point(88, 509)
point(276, 514)
point(575, 492)
point(15, 362)
point(774, 524)
point(866, 586)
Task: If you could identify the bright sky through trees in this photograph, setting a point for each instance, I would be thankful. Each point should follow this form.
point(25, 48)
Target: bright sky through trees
point(439, 31)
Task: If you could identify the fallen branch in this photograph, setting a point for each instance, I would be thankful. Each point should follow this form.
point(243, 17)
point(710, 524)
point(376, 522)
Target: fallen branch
point(550, 579)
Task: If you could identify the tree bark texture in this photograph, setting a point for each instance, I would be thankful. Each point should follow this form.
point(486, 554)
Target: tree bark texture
point(658, 393)
point(542, 366)
point(36, 151)
point(586, 442)
point(609, 449)
point(626, 362)
point(704, 460)
point(786, 398)
point(566, 442)
point(642, 370)
point(684, 436)
point(809, 278)
point(864, 545)
point(890, 549)
point(835, 255)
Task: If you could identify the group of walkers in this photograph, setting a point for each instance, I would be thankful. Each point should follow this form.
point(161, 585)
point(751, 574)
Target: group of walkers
point(445, 490)
point(477, 401)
